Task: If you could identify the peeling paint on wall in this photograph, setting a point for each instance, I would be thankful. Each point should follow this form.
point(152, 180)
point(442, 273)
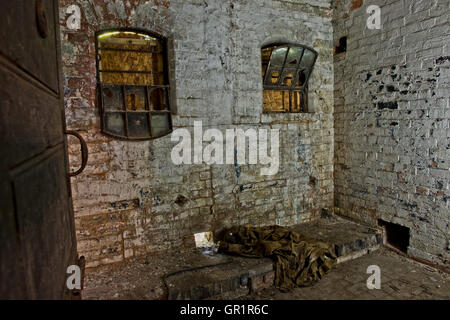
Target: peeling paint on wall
point(215, 77)
point(391, 120)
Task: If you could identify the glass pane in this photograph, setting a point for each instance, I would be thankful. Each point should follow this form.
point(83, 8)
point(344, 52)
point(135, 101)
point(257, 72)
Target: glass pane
point(287, 78)
point(278, 56)
point(158, 99)
point(264, 69)
point(294, 56)
point(135, 98)
point(138, 125)
point(160, 124)
point(307, 59)
point(297, 101)
point(265, 58)
point(273, 76)
point(114, 123)
point(130, 51)
point(276, 100)
point(265, 55)
point(302, 76)
point(112, 98)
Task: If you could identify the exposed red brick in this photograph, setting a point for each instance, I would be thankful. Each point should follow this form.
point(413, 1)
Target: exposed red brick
point(421, 190)
point(356, 4)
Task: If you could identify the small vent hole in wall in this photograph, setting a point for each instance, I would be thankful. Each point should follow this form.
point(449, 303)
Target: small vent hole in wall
point(395, 235)
point(342, 47)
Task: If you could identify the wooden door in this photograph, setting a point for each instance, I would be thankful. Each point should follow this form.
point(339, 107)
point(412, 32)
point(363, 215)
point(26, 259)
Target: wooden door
point(37, 235)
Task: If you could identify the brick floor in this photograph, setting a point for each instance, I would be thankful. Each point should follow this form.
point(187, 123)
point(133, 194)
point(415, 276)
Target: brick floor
point(401, 278)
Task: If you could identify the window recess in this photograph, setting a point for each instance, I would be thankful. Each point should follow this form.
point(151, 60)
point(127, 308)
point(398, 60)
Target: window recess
point(133, 84)
point(286, 69)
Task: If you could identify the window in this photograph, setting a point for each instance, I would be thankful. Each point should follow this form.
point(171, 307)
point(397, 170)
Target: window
point(286, 69)
point(132, 84)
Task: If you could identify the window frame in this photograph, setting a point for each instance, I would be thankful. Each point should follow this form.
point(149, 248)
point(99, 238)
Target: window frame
point(148, 89)
point(303, 90)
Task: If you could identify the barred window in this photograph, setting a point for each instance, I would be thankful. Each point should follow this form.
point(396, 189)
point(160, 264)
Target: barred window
point(133, 84)
point(286, 69)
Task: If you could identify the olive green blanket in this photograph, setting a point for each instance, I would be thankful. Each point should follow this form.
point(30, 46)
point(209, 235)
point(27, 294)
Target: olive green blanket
point(298, 260)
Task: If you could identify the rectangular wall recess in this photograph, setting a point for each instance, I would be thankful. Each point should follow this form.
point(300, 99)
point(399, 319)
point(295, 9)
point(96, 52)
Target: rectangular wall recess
point(396, 235)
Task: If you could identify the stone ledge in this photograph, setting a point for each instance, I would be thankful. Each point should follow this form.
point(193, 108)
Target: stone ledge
point(237, 274)
point(234, 276)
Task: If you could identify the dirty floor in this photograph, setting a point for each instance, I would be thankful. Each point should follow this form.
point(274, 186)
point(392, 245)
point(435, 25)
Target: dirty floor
point(401, 278)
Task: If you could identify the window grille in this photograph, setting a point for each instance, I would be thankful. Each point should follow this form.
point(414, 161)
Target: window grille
point(286, 69)
point(133, 84)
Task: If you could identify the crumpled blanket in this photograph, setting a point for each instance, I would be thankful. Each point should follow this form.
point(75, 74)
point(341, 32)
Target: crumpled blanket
point(298, 260)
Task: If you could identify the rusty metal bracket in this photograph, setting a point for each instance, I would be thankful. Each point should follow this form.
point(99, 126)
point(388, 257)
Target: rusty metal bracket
point(84, 152)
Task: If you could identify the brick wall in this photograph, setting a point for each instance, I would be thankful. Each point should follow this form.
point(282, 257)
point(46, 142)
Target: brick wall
point(392, 119)
point(126, 200)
